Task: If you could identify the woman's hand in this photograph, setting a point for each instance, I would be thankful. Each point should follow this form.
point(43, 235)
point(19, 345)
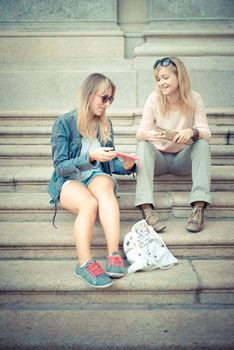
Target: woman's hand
point(102, 154)
point(183, 136)
point(128, 162)
point(152, 135)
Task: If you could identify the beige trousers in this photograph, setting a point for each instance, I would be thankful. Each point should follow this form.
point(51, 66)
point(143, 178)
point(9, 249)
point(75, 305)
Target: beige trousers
point(194, 159)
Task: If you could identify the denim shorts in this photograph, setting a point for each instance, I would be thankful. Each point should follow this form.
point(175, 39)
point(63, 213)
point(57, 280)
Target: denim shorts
point(87, 181)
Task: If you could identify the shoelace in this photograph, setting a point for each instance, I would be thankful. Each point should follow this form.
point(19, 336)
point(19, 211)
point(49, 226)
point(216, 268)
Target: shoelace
point(94, 269)
point(196, 215)
point(115, 260)
point(150, 214)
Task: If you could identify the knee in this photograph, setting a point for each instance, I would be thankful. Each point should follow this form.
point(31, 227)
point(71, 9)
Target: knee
point(201, 147)
point(90, 206)
point(142, 146)
point(201, 154)
point(201, 144)
point(102, 186)
point(106, 185)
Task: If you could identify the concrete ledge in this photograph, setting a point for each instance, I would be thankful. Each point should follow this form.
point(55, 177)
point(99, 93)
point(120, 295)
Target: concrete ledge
point(32, 135)
point(181, 284)
point(35, 206)
point(35, 179)
point(160, 328)
point(40, 155)
point(31, 240)
point(219, 115)
point(82, 44)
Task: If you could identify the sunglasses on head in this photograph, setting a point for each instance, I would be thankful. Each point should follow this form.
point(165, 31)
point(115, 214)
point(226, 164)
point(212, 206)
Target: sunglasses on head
point(163, 62)
point(106, 98)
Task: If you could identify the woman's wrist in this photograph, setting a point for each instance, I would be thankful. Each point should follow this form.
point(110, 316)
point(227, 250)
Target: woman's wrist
point(195, 136)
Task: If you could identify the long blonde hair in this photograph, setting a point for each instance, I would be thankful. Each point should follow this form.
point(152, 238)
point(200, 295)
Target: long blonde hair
point(184, 87)
point(89, 125)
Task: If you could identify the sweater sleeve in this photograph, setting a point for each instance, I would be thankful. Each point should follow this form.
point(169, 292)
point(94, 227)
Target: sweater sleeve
point(148, 117)
point(200, 119)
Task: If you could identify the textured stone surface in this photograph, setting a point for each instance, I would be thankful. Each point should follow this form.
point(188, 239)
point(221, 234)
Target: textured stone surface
point(191, 9)
point(203, 79)
point(43, 276)
point(46, 50)
point(43, 90)
point(57, 10)
point(164, 329)
point(182, 284)
point(41, 240)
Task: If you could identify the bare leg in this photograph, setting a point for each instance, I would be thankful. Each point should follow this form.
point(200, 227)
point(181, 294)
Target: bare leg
point(76, 198)
point(102, 188)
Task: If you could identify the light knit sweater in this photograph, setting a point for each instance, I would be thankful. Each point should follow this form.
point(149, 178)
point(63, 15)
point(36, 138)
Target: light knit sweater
point(152, 118)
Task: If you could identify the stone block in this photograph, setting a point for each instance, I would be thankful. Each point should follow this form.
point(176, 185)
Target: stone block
point(210, 76)
point(57, 90)
point(83, 44)
point(190, 9)
point(58, 10)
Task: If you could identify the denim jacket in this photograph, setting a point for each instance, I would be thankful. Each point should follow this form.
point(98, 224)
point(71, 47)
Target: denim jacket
point(66, 149)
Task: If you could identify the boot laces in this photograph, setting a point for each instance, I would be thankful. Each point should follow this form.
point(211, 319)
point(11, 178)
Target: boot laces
point(94, 269)
point(151, 214)
point(196, 215)
point(115, 260)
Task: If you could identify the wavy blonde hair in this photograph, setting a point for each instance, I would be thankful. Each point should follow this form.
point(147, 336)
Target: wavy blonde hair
point(90, 125)
point(184, 87)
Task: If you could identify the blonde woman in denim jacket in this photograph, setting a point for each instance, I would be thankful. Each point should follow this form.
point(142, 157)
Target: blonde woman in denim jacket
point(173, 137)
point(84, 159)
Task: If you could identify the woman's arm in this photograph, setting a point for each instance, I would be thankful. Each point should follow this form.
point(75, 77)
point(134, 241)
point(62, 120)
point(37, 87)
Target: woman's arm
point(200, 119)
point(147, 130)
point(119, 167)
point(60, 140)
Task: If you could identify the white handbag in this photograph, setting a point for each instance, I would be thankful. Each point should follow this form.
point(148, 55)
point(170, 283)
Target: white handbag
point(145, 249)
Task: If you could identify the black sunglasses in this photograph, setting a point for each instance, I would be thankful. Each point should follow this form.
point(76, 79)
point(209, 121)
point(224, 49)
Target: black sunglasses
point(106, 98)
point(164, 62)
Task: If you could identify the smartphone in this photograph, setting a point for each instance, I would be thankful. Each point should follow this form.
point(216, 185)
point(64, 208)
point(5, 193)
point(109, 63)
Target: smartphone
point(170, 134)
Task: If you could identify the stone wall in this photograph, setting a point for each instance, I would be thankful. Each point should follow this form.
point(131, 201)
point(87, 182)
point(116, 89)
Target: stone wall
point(50, 45)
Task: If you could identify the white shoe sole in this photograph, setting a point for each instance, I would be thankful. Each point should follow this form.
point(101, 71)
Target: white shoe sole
point(92, 285)
point(115, 274)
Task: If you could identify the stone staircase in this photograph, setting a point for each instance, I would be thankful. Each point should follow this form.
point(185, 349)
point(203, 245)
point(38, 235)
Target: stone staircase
point(46, 50)
point(44, 306)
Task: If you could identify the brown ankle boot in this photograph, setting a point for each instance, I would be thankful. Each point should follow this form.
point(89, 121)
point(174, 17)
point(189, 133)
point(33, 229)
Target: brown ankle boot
point(196, 220)
point(153, 219)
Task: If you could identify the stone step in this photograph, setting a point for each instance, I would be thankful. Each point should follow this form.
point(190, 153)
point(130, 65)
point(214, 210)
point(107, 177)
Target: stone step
point(12, 155)
point(32, 206)
point(36, 179)
point(197, 40)
point(40, 240)
point(165, 328)
point(29, 135)
point(192, 281)
point(219, 116)
point(119, 116)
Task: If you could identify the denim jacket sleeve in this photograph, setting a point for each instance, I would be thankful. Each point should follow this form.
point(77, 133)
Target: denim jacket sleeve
point(66, 149)
point(116, 165)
